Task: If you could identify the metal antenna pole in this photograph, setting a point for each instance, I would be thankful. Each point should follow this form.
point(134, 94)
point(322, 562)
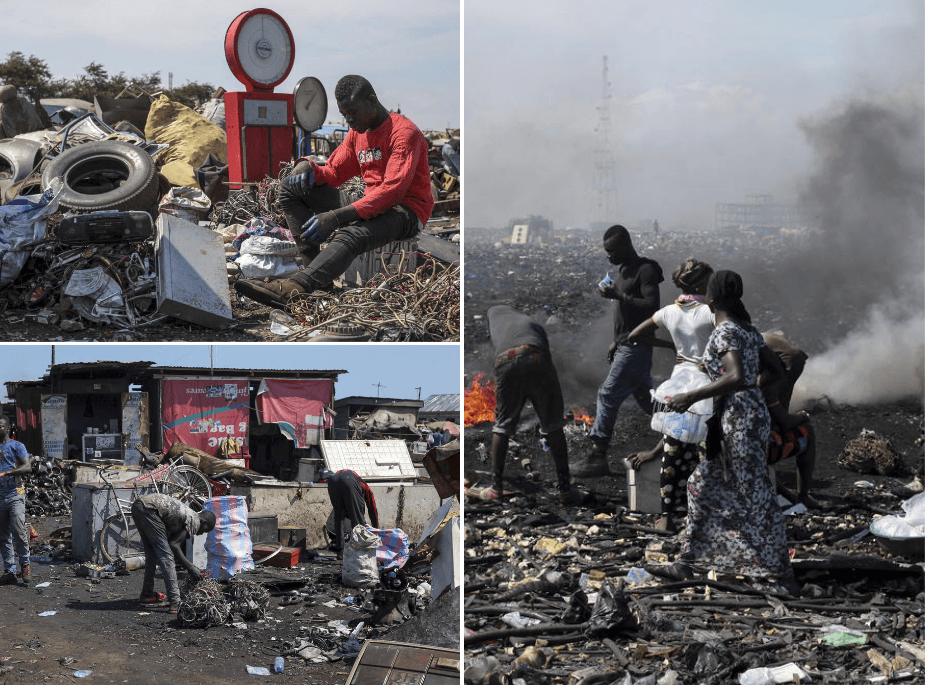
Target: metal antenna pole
point(605, 183)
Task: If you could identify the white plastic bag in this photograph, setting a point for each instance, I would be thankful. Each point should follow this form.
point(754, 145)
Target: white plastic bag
point(265, 256)
point(22, 226)
point(690, 426)
point(360, 568)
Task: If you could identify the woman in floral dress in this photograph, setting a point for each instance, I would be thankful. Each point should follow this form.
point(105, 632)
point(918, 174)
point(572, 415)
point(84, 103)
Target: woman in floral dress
point(734, 523)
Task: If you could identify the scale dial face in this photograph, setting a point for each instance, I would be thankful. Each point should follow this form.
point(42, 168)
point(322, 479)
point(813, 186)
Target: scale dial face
point(259, 49)
point(310, 104)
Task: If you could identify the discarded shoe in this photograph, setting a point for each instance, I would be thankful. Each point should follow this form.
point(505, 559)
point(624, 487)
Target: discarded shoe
point(8, 578)
point(275, 294)
point(26, 574)
point(158, 598)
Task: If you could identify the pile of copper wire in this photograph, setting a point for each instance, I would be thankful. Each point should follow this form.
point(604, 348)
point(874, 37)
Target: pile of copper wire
point(418, 306)
point(206, 603)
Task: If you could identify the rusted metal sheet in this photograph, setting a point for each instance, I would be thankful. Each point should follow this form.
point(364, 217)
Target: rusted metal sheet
point(396, 663)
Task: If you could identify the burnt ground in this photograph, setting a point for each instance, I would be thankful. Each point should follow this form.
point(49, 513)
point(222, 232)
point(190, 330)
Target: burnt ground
point(876, 591)
point(100, 627)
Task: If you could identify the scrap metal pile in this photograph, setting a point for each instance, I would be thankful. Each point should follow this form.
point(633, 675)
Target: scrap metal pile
point(65, 263)
point(420, 306)
point(207, 603)
point(416, 299)
point(585, 597)
point(47, 490)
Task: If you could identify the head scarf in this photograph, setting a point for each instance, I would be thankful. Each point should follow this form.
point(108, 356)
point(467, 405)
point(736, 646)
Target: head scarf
point(725, 288)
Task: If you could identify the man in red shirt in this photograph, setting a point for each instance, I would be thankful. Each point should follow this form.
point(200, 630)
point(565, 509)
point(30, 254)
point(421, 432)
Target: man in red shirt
point(391, 155)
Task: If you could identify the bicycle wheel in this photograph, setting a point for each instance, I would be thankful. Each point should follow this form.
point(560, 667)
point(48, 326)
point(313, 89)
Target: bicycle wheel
point(118, 537)
point(189, 485)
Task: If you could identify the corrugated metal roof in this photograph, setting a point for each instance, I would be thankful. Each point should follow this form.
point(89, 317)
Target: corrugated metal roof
point(441, 403)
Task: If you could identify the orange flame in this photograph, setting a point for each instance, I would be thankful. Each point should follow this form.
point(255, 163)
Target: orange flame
point(584, 418)
point(479, 401)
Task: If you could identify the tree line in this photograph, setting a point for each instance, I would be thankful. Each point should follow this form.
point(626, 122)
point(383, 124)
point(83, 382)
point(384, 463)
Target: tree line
point(33, 80)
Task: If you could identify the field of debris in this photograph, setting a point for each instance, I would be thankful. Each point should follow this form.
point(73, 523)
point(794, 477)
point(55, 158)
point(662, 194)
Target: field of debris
point(71, 624)
point(574, 595)
point(117, 234)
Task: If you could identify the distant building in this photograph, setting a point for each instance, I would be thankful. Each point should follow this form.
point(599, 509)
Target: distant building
point(759, 213)
point(531, 229)
point(440, 408)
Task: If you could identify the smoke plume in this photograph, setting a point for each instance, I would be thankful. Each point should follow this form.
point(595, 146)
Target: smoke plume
point(867, 196)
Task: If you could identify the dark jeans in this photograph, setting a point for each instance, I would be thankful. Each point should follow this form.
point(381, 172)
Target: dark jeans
point(153, 535)
point(348, 242)
point(346, 497)
point(629, 375)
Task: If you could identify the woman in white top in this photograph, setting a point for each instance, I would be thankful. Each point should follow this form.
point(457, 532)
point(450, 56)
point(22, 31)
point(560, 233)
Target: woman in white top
point(689, 322)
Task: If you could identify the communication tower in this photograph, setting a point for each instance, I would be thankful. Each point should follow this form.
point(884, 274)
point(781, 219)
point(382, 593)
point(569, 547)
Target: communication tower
point(605, 183)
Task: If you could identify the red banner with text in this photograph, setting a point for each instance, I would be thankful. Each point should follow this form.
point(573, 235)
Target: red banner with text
point(210, 414)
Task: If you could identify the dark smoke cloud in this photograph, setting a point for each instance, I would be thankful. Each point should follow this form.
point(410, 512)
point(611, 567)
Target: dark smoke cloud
point(866, 193)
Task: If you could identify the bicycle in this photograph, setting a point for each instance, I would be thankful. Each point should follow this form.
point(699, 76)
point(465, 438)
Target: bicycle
point(118, 535)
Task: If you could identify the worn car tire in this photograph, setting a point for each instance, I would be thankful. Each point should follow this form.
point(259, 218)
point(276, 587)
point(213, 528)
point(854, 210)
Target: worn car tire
point(105, 174)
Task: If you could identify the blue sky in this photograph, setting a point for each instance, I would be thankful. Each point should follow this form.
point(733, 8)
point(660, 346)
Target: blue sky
point(706, 99)
point(401, 369)
point(410, 51)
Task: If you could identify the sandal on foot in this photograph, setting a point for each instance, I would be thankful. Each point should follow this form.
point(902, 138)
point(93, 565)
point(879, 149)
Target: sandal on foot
point(157, 598)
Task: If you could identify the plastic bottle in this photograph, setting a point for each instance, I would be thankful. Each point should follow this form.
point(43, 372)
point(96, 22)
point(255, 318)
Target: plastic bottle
point(544, 444)
point(606, 281)
point(278, 664)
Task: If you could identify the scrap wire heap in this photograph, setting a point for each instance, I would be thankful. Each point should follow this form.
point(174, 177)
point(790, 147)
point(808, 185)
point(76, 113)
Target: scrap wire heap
point(245, 204)
point(206, 604)
point(423, 305)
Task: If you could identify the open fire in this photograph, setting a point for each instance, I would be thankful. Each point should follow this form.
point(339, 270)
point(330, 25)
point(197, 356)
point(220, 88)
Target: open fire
point(479, 404)
point(479, 401)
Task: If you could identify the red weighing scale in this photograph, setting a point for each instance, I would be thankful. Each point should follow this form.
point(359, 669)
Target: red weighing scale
point(260, 53)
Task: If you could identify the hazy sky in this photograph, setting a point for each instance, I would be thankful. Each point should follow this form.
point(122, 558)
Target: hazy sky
point(400, 368)
point(410, 51)
point(706, 99)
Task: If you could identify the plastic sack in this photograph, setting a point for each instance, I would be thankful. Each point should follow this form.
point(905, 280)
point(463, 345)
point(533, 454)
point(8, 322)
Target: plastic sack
point(22, 226)
point(190, 135)
point(360, 568)
point(228, 546)
point(190, 204)
point(264, 256)
point(393, 549)
point(690, 426)
point(610, 613)
point(910, 525)
point(915, 511)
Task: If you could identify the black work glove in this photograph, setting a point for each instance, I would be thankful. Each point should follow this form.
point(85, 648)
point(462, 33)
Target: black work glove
point(320, 227)
point(300, 184)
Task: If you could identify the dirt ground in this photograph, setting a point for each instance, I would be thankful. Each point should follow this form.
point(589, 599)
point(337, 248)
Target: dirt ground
point(101, 628)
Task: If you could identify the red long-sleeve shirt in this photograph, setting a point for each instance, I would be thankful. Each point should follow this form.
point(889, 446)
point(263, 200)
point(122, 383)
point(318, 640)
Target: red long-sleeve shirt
point(392, 159)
